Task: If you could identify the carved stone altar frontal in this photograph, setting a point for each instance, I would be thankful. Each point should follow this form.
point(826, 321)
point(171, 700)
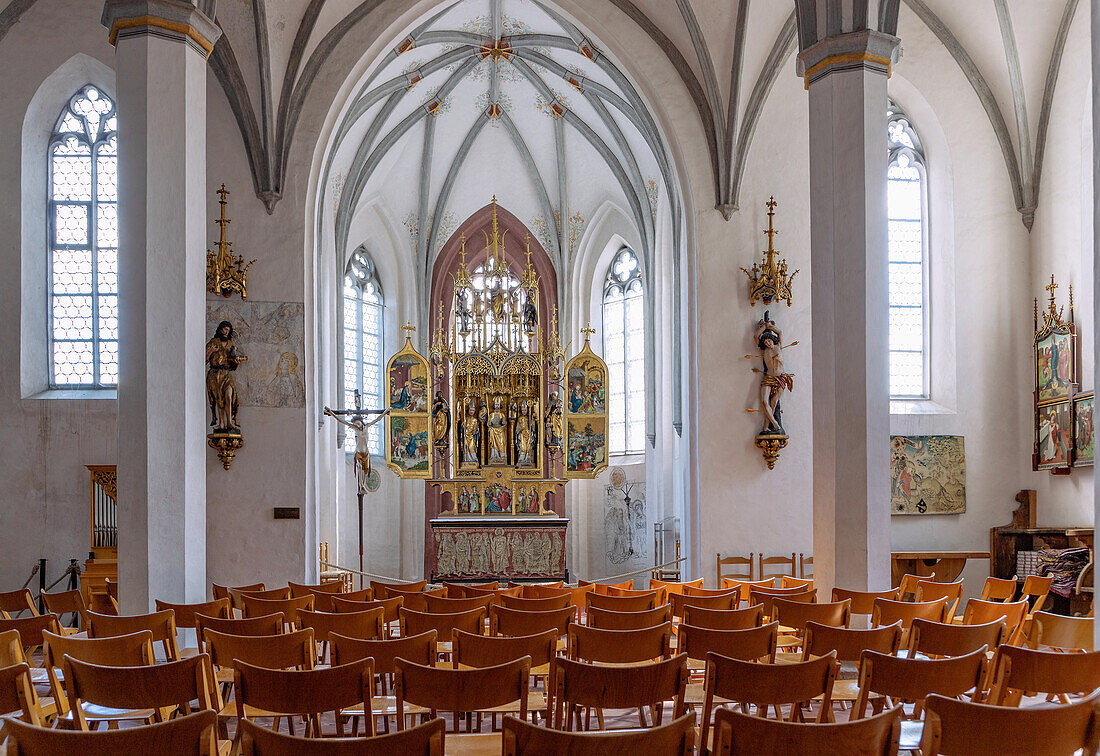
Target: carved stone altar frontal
point(272, 336)
point(502, 549)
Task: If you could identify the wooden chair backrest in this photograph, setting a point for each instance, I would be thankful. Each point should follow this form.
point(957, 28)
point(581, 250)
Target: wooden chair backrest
point(776, 565)
point(677, 738)
point(1035, 590)
point(978, 612)
point(768, 685)
point(223, 591)
point(305, 691)
point(998, 589)
point(381, 590)
point(767, 597)
point(623, 603)
point(471, 650)
point(619, 646)
point(31, 627)
point(609, 619)
point(1062, 632)
point(887, 612)
point(961, 727)
point(460, 690)
point(1017, 669)
point(737, 734)
point(930, 590)
point(15, 602)
point(161, 624)
point(389, 606)
point(416, 648)
point(442, 605)
point(186, 736)
point(425, 740)
point(722, 603)
point(602, 588)
point(692, 591)
point(795, 614)
point(536, 604)
point(674, 588)
point(270, 624)
point(414, 623)
point(722, 619)
point(64, 602)
point(258, 607)
point(414, 600)
point(948, 639)
point(863, 602)
point(577, 684)
point(786, 581)
point(16, 692)
point(906, 679)
point(753, 644)
point(368, 624)
point(295, 650)
point(849, 644)
point(158, 686)
point(804, 562)
point(185, 613)
point(237, 595)
point(505, 621)
point(733, 563)
point(745, 585)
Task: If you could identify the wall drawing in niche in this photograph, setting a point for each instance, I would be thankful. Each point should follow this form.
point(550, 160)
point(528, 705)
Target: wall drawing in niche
point(624, 524)
point(272, 334)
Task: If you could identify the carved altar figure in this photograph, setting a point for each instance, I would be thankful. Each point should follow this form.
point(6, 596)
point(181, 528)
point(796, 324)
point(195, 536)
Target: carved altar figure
point(497, 423)
point(441, 420)
point(770, 340)
point(221, 390)
point(471, 435)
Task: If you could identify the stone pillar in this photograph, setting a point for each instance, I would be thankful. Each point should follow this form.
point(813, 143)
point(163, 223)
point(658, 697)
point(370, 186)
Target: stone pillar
point(1096, 243)
point(161, 47)
point(846, 77)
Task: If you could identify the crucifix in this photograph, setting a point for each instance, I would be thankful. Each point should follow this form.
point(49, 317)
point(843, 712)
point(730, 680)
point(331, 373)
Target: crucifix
point(357, 421)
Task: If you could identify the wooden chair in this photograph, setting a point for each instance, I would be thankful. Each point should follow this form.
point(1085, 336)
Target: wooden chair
point(962, 728)
point(415, 623)
point(185, 736)
point(619, 646)
point(323, 592)
point(848, 644)
point(607, 619)
point(419, 649)
point(414, 600)
point(258, 607)
point(591, 686)
point(905, 680)
point(460, 690)
point(381, 590)
point(271, 624)
point(930, 590)
point(804, 562)
point(547, 604)
point(1017, 670)
point(1014, 613)
point(768, 685)
point(368, 624)
point(887, 612)
point(674, 588)
point(938, 639)
point(753, 644)
point(775, 566)
point(436, 604)
point(17, 693)
point(161, 624)
point(480, 651)
point(425, 740)
point(737, 734)
point(505, 621)
point(66, 602)
point(766, 597)
point(648, 600)
point(305, 693)
point(677, 738)
point(17, 602)
point(720, 619)
point(223, 591)
point(133, 650)
point(786, 581)
point(1058, 632)
point(726, 603)
point(999, 589)
point(729, 567)
point(863, 602)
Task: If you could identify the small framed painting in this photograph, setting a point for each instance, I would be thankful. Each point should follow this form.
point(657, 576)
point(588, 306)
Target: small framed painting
point(1083, 434)
point(1054, 435)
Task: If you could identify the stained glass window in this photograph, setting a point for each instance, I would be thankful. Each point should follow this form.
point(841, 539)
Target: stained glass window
point(624, 352)
point(82, 207)
point(906, 183)
point(363, 347)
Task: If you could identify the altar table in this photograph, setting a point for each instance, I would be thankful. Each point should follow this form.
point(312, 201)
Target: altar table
point(941, 566)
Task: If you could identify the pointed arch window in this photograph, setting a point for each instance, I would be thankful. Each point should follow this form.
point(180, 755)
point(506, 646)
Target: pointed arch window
point(624, 351)
point(82, 223)
point(907, 208)
point(363, 344)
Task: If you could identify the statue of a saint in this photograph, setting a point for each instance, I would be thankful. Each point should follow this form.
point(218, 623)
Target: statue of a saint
point(441, 420)
point(359, 427)
point(496, 422)
point(553, 421)
point(221, 360)
point(470, 434)
point(775, 381)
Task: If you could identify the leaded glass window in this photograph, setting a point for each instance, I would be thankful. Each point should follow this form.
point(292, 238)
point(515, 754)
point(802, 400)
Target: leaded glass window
point(907, 193)
point(82, 208)
point(363, 347)
point(624, 352)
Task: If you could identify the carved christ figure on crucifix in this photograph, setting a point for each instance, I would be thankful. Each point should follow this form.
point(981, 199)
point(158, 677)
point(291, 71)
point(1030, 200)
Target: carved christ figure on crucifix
point(359, 427)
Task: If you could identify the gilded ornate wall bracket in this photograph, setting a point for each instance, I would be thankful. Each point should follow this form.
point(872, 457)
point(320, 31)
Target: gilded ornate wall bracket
point(225, 273)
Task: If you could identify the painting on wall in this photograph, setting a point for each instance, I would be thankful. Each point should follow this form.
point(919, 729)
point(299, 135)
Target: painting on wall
point(272, 334)
point(1083, 431)
point(1054, 440)
point(927, 475)
point(1054, 366)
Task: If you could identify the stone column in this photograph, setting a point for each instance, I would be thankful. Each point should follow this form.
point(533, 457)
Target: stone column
point(161, 48)
point(846, 77)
